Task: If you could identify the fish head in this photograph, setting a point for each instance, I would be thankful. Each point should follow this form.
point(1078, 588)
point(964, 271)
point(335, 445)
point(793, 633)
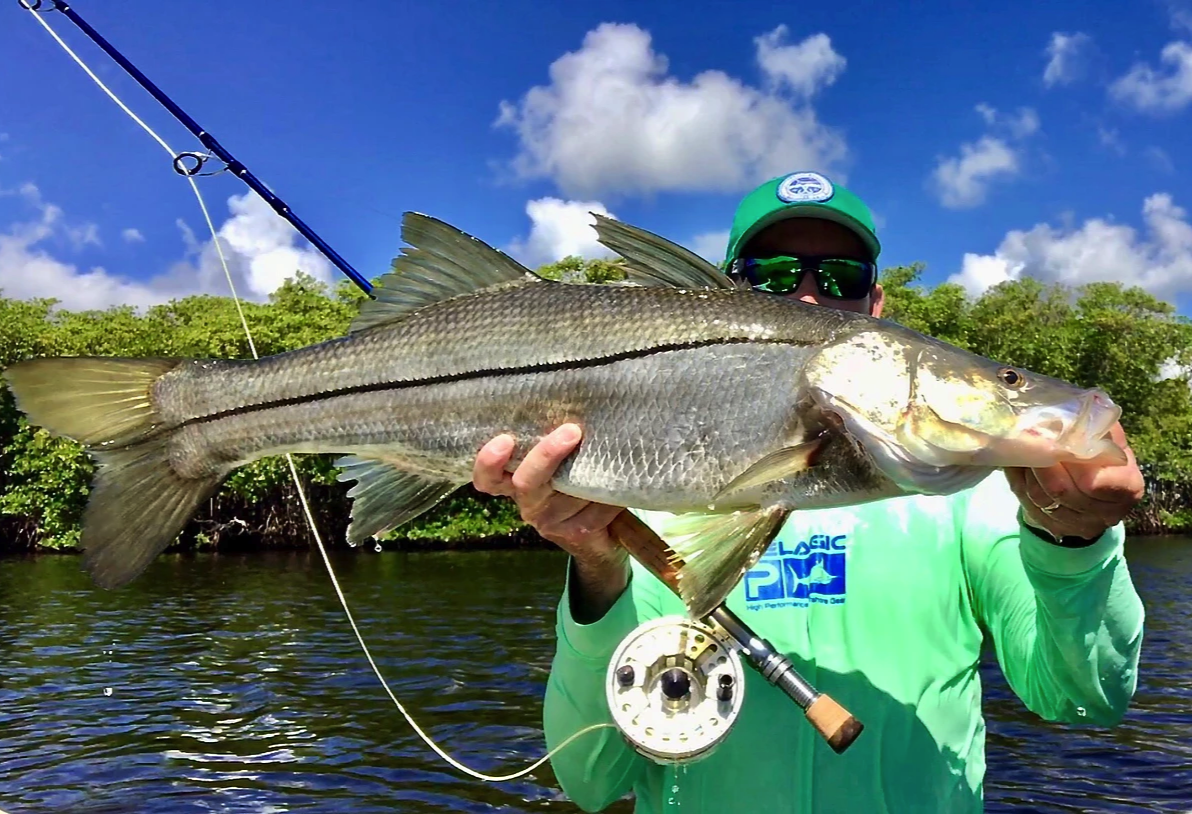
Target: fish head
point(965, 409)
point(935, 418)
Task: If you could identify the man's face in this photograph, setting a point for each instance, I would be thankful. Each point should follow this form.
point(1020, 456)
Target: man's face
point(812, 236)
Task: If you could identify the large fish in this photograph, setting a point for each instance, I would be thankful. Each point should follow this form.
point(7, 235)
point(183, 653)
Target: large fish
point(696, 396)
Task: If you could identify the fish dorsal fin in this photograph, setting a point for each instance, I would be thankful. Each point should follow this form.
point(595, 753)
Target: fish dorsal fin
point(655, 261)
point(385, 497)
point(713, 551)
point(442, 262)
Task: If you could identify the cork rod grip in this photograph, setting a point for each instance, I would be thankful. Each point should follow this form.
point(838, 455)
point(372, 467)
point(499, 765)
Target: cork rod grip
point(835, 723)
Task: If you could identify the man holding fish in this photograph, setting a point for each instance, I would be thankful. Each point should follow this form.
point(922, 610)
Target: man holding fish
point(833, 478)
point(886, 604)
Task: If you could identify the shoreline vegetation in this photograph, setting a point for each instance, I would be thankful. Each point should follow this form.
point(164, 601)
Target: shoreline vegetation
point(1121, 339)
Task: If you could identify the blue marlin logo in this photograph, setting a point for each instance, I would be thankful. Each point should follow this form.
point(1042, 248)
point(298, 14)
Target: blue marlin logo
point(798, 573)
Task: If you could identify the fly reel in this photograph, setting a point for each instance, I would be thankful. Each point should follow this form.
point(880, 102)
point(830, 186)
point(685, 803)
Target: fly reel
point(674, 687)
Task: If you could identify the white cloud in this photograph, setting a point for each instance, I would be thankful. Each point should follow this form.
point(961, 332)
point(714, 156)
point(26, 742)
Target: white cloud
point(559, 229)
point(260, 255)
point(1111, 139)
point(1018, 126)
point(1066, 57)
point(262, 249)
point(1161, 90)
point(1160, 159)
point(1159, 260)
point(710, 245)
point(805, 67)
point(963, 181)
point(132, 236)
point(1181, 14)
point(612, 120)
point(1172, 369)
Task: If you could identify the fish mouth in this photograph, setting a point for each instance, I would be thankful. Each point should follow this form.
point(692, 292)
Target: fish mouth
point(1073, 431)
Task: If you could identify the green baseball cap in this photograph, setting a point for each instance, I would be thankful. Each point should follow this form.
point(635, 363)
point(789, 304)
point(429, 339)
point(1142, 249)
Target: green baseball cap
point(800, 195)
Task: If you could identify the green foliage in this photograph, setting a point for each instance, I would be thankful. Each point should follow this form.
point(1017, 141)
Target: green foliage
point(1103, 334)
point(574, 269)
point(46, 483)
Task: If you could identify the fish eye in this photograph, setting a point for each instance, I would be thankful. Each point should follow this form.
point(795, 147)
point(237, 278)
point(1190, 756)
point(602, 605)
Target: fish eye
point(1011, 377)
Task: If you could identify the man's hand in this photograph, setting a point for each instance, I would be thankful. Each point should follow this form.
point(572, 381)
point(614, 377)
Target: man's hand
point(1079, 500)
point(579, 527)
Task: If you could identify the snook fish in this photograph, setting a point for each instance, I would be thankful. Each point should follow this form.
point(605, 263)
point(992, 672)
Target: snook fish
point(696, 396)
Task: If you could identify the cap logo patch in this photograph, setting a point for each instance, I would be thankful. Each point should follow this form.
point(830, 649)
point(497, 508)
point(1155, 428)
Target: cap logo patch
point(805, 187)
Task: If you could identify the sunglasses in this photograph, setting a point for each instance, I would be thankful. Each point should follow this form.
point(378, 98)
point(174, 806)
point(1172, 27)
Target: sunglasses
point(836, 278)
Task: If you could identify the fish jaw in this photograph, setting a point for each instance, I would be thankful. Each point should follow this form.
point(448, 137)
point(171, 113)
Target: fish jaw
point(1074, 431)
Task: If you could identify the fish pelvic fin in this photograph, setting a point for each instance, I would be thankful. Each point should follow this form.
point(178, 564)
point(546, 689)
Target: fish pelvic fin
point(385, 497)
point(711, 552)
point(93, 399)
point(653, 260)
point(137, 507)
point(441, 263)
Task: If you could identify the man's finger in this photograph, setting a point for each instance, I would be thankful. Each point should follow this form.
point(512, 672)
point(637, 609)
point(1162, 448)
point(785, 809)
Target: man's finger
point(532, 478)
point(592, 519)
point(488, 470)
point(555, 510)
point(1054, 484)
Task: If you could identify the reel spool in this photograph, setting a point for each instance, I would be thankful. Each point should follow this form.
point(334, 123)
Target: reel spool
point(674, 687)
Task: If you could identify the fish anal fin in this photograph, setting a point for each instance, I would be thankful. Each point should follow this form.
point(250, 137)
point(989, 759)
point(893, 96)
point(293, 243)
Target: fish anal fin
point(711, 552)
point(783, 463)
point(386, 497)
point(441, 263)
point(644, 544)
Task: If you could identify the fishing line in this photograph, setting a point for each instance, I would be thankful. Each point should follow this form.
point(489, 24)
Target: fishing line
point(32, 8)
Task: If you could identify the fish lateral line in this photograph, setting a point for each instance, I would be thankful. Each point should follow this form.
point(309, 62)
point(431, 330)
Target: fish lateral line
point(547, 367)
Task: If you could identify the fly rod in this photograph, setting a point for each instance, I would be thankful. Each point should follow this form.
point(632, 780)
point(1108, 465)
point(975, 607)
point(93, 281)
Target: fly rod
point(190, 163)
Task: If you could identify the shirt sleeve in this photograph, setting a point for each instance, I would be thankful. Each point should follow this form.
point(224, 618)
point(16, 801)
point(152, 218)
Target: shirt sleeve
point(598, 767)
point(1066, 623)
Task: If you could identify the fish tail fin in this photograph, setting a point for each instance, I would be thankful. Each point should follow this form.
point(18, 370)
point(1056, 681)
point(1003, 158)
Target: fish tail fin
point(92, 399)
point(138, 504)
point(137, 507)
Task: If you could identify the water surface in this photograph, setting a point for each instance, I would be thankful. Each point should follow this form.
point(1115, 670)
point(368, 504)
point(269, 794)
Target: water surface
point(234, 683)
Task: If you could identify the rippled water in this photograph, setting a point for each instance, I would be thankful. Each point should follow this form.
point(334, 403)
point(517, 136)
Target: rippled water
point(233, 683)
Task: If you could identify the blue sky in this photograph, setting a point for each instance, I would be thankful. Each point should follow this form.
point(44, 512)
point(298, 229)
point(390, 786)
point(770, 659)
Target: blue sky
point(991, 141)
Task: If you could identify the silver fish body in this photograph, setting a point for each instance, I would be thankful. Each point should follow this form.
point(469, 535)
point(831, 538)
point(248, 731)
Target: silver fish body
point(727, 406)
point(676, 390)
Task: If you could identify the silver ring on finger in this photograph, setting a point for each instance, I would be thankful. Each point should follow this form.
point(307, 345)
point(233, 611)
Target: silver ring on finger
point(1047, 510)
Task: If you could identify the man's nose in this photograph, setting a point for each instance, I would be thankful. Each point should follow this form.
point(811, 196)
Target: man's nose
point(806, 290)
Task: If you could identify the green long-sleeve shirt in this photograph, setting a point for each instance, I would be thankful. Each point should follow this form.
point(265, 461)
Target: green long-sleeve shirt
point(884, 607)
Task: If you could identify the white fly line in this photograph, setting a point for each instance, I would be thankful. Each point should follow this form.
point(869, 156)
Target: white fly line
point(293, 469)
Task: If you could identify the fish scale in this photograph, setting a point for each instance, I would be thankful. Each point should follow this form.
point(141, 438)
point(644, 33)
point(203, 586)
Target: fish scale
point(534, 325)
point(728, 407)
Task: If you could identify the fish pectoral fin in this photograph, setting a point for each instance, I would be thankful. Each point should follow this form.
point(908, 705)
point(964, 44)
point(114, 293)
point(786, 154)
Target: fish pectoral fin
point(441, 263)
point(386, 497)
point(713, 552)
point(782, 463)
point(653, 260)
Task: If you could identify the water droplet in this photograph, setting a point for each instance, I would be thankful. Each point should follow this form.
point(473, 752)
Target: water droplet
point(1081, 711)
point(352, 543)
point(378, 549)
point(107, 691)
